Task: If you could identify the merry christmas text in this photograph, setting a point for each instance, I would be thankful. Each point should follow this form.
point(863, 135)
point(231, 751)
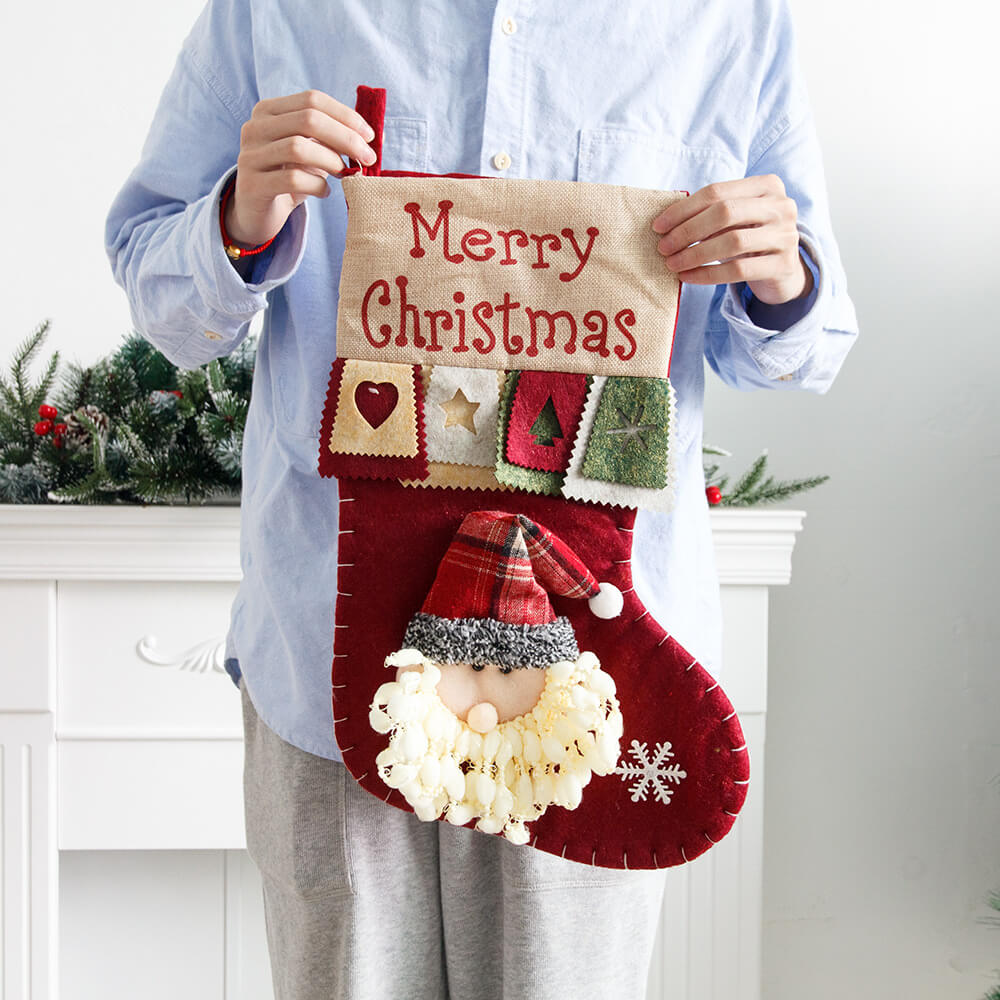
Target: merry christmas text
point(390, 318)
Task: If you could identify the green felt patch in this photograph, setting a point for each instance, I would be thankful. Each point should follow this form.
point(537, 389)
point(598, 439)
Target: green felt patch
point(532, 480)
point(630, 437)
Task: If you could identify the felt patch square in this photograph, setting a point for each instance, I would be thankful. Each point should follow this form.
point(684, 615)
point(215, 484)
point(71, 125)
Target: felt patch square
point(461, 415)
point(376, 411)
point(630, 439)
point(578, 486)
point(374, 404)
point(517, 476)
point(544, 418)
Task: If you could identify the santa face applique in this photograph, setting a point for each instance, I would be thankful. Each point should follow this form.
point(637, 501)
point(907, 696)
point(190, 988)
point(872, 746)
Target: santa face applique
point(495, 714)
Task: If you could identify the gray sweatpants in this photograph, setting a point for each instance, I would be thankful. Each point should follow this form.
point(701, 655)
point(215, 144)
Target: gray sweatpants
point(363, 901)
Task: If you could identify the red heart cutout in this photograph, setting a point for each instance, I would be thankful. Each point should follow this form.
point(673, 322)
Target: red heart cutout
point(376, 401)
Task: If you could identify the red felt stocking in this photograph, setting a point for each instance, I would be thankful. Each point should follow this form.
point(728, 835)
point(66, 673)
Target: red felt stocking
point(683, 770)
point(671, 767)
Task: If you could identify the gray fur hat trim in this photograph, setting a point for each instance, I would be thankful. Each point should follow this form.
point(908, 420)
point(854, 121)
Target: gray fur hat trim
point(485, 641)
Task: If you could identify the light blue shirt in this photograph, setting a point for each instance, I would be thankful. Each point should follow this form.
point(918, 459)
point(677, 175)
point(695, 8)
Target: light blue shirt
point(651, 94)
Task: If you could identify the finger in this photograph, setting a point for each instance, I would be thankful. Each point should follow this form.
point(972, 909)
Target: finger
point(319, 101)
point(743, 187)
point(308, 123)
point(296, 150)
point(731, 213)
point(738, 242)
point(763, 267)
point(290, 180)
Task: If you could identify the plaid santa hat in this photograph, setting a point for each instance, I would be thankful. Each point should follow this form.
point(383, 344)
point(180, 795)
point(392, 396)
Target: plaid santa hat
point(489, 603)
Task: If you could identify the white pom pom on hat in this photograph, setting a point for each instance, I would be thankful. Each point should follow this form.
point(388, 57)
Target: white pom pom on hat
point(608, 602)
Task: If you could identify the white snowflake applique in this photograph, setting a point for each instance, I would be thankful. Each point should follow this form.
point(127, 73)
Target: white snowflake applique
point(651, 772)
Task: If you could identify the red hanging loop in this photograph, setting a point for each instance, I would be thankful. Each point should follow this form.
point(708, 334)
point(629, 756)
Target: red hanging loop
point(370, 105)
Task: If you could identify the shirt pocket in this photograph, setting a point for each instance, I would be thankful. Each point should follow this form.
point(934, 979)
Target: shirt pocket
point(303, 368)
point(404, 144)
point(615, 155)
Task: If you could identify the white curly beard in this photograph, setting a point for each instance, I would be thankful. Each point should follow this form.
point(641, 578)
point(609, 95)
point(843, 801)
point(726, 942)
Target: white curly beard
point(510, 775)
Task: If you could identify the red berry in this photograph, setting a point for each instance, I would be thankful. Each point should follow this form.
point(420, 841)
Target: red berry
point(59, 429)
point(47, 412)
point(714, 495)
point(177, 393)
point(43, 427)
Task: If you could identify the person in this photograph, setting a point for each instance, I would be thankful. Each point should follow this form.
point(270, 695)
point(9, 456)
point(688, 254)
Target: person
point(363, 900)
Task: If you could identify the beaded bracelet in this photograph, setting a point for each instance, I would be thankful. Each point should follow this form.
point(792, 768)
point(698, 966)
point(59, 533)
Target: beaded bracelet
point(234, 252)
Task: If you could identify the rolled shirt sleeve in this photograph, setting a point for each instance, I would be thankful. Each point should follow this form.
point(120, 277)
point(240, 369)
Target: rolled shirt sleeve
point(801, 344)
point(163, 237)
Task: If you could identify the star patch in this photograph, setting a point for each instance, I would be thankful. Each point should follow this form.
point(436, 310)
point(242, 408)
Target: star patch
point(460, 412)
point(461, 415)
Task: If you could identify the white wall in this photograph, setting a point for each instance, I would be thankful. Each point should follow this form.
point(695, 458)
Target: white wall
point(80, 84)
point(883, 799)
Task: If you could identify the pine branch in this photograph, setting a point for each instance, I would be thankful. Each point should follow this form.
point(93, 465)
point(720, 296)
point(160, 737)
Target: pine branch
point(754, 487)
point(750, 478)
point(23, 358)
point(19, 399)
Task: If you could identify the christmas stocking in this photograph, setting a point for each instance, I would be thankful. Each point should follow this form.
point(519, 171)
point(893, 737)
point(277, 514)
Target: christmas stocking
point(499, 408)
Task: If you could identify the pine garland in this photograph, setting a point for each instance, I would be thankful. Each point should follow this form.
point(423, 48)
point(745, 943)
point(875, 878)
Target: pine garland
point(132, 428)
point(754, 487)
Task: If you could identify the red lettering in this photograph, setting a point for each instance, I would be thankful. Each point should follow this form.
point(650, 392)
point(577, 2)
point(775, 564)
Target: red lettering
point(385, 331)
point(596, 342)
point(478, 238)
point(521, 241)
point(446, 324)
point(512, 343)
point(582, 255)
point(405, 309)
point(540, 241)
point(480, 312)
point(623, 318)
point(461, 347)
point(441, 222)
point(550, 337)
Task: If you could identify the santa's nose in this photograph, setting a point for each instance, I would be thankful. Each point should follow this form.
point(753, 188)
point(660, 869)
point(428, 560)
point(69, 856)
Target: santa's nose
point(482, 717)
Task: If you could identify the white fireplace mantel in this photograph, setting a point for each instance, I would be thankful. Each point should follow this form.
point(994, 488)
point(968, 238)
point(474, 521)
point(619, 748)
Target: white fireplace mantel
point(120, 731)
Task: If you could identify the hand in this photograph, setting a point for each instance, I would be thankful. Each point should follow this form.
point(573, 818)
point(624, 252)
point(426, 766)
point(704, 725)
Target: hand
point(288, 148)
point(742, 230)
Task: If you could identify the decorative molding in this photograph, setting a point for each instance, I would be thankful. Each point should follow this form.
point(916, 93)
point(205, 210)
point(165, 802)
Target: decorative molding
point(754, 547)
point(119, 543)
point(202, 543)
point(29, 857)
point(205, 657)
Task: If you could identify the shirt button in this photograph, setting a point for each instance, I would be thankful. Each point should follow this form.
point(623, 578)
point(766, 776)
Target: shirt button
point(508, 26)
point(212, 335)
point(501, 161)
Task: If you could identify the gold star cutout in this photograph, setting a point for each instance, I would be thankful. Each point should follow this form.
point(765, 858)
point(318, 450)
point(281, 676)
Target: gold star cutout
point(460, 412)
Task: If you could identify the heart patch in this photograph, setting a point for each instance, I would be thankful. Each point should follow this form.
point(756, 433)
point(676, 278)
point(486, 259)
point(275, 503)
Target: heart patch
point(376, 401)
